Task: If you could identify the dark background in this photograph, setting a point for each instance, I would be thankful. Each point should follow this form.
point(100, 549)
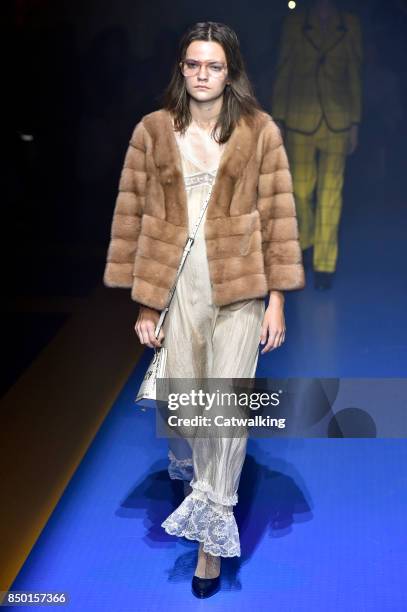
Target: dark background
point(81, 74)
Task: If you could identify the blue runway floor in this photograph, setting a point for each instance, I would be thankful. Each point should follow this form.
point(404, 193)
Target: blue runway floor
point(322, 521)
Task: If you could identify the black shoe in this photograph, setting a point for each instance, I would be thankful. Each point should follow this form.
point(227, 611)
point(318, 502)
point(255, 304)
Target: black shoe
point(205, 587)
point(307, 256)
point(323, 280)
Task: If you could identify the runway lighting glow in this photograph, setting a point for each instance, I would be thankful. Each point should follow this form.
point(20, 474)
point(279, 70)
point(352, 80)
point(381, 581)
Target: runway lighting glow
point(291, 5)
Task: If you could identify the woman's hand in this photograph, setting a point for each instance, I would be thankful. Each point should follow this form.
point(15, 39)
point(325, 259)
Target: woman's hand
point(273, 323)
point(145, 327)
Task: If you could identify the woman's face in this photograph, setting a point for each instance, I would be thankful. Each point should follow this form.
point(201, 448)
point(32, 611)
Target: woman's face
point(205, 81)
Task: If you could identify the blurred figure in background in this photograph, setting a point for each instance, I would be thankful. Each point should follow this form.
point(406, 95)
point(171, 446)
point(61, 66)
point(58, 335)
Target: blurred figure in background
point(317, 104)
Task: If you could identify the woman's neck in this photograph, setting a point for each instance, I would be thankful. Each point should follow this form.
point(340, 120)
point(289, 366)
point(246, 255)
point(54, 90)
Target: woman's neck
point(205, 115)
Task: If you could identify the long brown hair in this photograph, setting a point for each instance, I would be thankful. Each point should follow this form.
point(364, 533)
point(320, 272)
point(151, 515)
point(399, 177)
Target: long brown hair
point(238, 97)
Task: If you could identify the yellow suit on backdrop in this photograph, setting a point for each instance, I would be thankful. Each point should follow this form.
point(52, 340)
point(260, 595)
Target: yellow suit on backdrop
point(317, 96)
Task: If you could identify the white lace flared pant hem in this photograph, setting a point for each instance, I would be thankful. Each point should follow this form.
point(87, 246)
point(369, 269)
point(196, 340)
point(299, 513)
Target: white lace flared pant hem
point(199, 518)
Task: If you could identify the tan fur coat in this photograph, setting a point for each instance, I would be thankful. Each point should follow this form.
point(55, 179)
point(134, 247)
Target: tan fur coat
point(251, 231)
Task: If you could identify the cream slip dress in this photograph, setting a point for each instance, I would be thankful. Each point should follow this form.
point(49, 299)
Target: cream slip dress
point(207, 341)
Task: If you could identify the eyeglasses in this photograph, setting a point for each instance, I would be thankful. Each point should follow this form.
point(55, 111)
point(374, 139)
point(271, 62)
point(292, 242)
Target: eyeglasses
point(192, 67)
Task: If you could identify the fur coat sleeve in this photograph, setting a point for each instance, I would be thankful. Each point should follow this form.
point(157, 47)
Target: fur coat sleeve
point(128, 212)
point(276, 205)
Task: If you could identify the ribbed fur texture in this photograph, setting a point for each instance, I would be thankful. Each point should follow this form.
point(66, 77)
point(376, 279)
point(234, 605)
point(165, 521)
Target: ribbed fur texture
point(251, 229)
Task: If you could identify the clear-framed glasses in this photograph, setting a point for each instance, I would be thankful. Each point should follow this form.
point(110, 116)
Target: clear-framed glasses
point(190, 67)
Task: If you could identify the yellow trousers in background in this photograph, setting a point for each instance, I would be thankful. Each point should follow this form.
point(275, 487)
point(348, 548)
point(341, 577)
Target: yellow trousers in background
point(317, 161)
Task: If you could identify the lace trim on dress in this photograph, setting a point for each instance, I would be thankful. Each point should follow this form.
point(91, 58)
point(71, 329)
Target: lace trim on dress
point(180, 469)
point(198, 179)
point(198, 518)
